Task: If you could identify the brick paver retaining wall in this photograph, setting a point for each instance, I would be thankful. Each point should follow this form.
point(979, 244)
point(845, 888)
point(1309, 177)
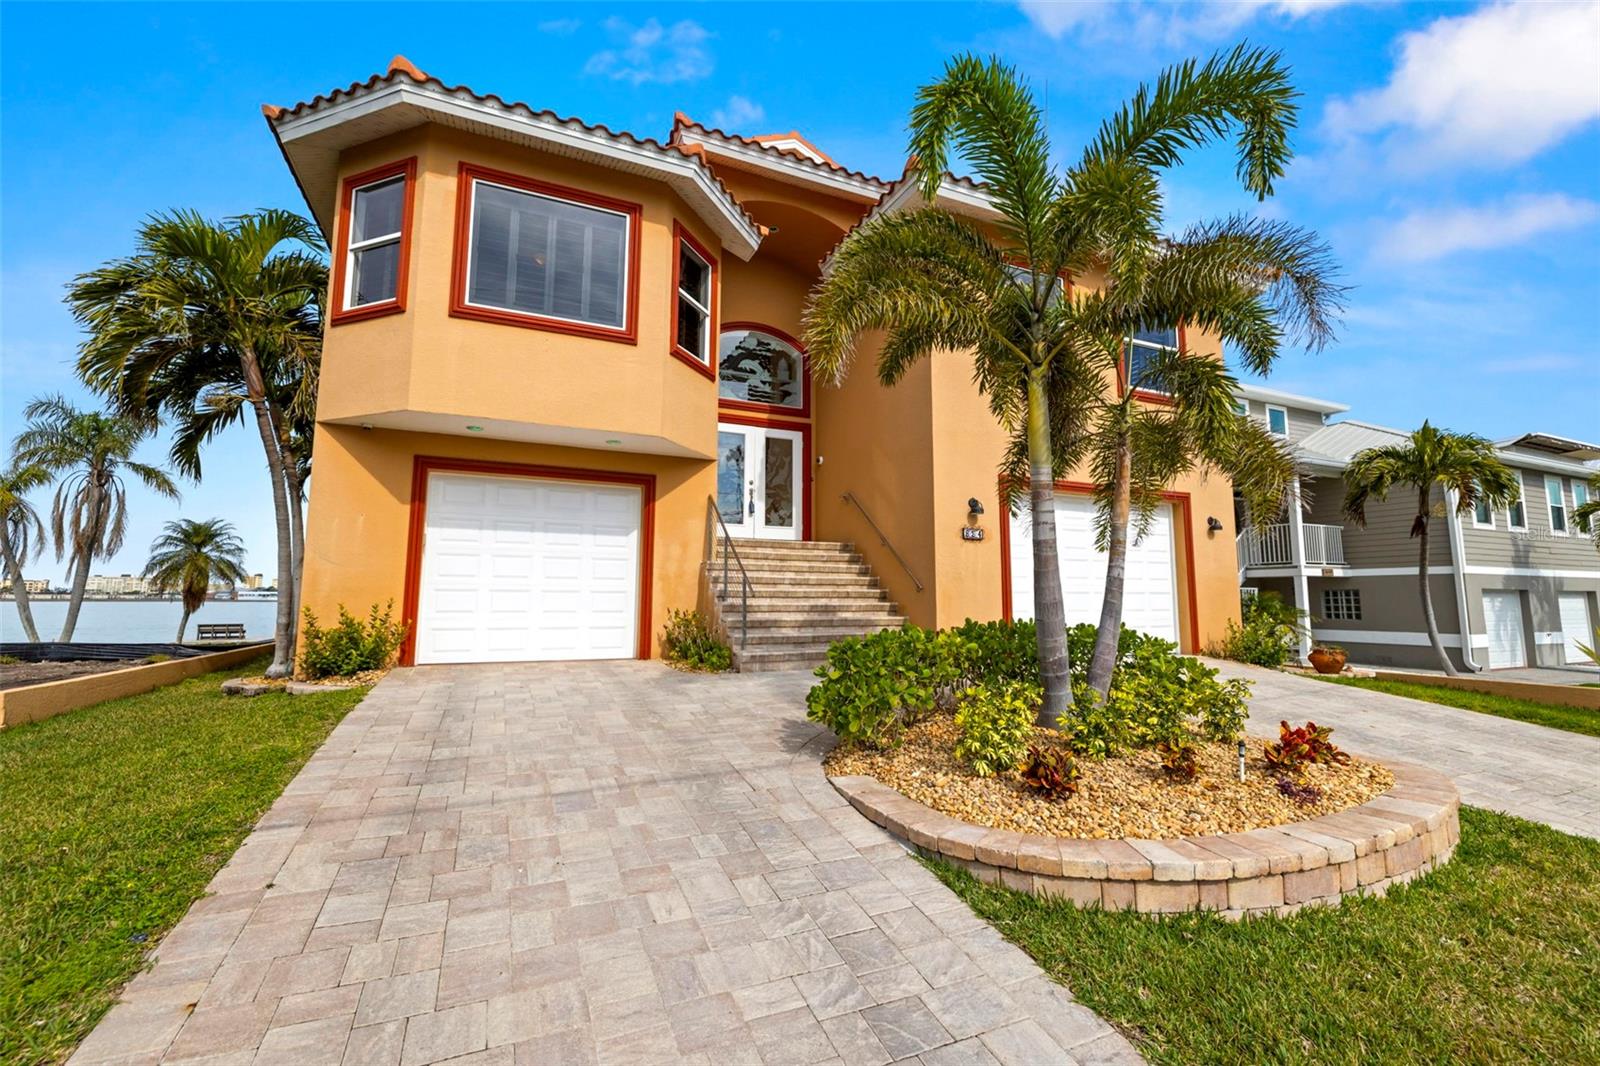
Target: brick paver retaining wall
point(1389, 840)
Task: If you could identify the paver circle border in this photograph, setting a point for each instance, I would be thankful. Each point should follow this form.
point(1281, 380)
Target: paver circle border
point(1408, 830)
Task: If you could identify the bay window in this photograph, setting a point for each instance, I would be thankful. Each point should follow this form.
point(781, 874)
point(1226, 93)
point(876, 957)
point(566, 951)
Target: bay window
point(370, 271)
point(694, 276)
point(546, 257)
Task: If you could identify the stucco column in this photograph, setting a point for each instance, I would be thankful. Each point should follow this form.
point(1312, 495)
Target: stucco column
point(1297, 549)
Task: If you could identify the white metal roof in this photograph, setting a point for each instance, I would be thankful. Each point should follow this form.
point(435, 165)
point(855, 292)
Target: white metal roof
point(1290, 399)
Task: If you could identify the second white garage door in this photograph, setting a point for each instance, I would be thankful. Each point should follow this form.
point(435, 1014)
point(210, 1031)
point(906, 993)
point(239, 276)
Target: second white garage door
point(1575, 627)
point(517, 569)
point(1150, 598)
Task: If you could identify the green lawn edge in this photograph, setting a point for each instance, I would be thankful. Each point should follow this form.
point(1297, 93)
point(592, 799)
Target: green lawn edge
point(1494, 957)
point(113, 819)
point(1553, 715)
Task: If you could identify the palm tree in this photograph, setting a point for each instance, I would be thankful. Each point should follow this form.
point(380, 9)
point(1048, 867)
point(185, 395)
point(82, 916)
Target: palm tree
point(90, 513)
point(205, 322)
point(21, 533)
point(1463, 463)
point(935, 281)
point(1137, 449)
point(189, 556)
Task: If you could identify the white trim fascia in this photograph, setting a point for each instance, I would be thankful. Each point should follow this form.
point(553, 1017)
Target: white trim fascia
point(739, 234)
point(1544, 465)
point(833, 181)
point(1348, 571)
point(1532, 571)
point(1405, 638)
point(907, 195)
point(1550, 638)
point(1306, 403)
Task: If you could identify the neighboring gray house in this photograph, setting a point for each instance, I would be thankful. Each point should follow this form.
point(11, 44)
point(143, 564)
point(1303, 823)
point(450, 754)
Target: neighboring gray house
point(1525, 578)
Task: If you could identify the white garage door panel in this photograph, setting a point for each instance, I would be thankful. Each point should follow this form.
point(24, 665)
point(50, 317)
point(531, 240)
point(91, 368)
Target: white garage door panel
point(1575, 626)
point(1150, 594)
point(1502, 617)
point(518, 569)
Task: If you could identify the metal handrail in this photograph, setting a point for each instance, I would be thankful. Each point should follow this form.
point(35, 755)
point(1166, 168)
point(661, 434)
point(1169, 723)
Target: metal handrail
point(728, 551)
point(883, 538)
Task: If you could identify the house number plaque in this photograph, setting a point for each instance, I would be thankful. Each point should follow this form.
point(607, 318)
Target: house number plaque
point(971, 532)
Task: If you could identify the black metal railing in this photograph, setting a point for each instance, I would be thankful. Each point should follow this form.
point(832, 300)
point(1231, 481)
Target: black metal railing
point(714, 521)
point(883, 539)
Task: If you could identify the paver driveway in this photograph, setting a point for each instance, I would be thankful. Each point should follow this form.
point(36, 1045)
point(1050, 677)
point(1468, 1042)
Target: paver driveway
point(1532, 771)
point(576, 863)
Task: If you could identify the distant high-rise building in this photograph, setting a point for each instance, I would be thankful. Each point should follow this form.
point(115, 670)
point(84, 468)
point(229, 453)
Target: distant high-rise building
point(29, 584)
point(116, 585)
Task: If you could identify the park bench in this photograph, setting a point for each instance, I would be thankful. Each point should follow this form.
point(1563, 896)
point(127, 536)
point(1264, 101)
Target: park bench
point(220, 631)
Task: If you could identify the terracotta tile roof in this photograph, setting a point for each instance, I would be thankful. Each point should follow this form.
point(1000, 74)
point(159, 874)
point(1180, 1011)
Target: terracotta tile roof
point(682, 122)
point(401, 68)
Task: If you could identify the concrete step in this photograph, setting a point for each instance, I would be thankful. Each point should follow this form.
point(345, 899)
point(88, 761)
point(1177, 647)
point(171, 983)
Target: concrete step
point(744, 547)
point(800, 657)
point(807, 591)
point(803, 612)
point(782, 569)
point(762, 635)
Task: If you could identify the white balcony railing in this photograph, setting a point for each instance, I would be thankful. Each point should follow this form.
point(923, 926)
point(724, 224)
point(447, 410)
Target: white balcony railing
point(1274, 546)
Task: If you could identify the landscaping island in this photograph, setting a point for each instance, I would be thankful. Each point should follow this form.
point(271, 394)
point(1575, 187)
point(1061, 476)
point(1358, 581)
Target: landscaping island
point(1136, 802)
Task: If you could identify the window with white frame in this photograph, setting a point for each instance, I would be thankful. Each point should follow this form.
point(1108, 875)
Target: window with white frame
point(694, 303)
point(1580, 496)
point(1241, 408)
point(1144, 348)
point(1278, 420)
point(1516, 513)
point(377, 220)
point(1341, 605)
point(1558, 505)
point(1482, 513)
point(538, 255)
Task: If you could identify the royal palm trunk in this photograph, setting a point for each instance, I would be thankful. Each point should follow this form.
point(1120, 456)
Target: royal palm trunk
point(255, 385)
point(82, 555)
point(1049, 608)
point(1109, 634)
point(1422, 581)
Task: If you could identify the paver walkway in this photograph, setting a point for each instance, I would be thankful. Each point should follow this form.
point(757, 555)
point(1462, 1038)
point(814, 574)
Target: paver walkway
point(613, 862)
point(1532, 771)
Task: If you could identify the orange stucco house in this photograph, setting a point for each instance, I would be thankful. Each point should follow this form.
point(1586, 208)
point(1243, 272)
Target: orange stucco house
point(556, 354)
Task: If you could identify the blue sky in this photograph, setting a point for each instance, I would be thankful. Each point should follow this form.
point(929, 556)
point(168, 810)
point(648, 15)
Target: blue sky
point(1449, 153)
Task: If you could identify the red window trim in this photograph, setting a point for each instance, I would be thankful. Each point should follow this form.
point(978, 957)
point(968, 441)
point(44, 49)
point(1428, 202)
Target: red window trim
point(682, 236)
point(1146, 395)
point(407, 169)
point(460, 308)
point(804, 410)
point(424, 465)
point(766, 419)
point(1188, 643)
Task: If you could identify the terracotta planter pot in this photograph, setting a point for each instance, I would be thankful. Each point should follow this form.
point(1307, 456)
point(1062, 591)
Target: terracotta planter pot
point(1327, 662)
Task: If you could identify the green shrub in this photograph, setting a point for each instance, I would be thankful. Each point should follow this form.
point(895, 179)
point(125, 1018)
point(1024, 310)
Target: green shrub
point(873, 687)
point(10, 660)
point(689, 642)
point(352, 645)
point(992, 652)
point(158, 657)
point(1051, 772)
point(996, 723)
point(1270, 631)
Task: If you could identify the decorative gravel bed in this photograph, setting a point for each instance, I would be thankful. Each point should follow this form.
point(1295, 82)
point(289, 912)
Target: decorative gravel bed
point(1123, 797)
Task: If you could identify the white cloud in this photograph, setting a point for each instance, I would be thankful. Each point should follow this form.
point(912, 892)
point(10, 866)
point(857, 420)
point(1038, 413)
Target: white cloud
point(1492, 87)
point(738, 111)
point(1433, 234)
point(560, 27)
point(1172, 23)
point(653, 53)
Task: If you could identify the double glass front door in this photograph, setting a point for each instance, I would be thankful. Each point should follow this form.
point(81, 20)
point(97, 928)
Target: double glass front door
point(760, 481)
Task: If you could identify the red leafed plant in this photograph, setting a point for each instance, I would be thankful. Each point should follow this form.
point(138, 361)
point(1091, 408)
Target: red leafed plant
point(1301, 746)
point(1178, 759)
point(1051, 772)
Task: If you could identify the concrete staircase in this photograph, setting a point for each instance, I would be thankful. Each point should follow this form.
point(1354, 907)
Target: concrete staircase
point(803, 596)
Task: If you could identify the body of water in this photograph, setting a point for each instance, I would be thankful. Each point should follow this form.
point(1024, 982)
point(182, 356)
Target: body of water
point(137, 621)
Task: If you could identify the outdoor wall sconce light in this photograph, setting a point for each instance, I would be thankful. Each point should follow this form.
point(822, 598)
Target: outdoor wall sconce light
point(974, 506)
point(1213, 525)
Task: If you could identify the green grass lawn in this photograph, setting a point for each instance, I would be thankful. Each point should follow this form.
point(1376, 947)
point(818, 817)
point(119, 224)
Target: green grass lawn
point(112, 820)
point(1495, 957)
point(1554, 715)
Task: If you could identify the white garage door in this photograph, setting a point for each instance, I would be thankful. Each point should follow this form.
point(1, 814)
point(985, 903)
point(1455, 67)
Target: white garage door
point(1502, 617)
point(1575, 625)
point(1150, 597)
point(516, 569)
